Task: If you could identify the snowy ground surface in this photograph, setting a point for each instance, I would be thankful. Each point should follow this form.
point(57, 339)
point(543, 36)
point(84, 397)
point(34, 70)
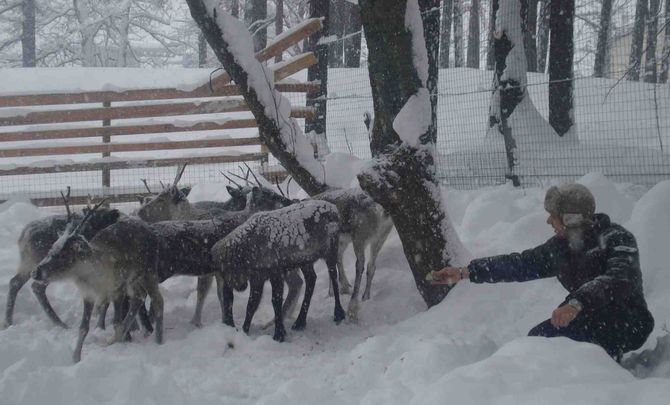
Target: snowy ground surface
point(470, 349)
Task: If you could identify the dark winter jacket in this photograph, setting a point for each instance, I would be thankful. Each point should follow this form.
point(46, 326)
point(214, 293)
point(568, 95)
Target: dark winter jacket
point(605, 272)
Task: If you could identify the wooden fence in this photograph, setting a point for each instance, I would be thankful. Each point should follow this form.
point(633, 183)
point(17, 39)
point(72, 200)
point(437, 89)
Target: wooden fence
point(213, 97)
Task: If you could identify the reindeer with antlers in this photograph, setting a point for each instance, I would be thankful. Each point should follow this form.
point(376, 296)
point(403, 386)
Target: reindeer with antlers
point(34, 243)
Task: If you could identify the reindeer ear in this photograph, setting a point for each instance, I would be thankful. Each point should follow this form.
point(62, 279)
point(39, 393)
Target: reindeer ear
point(234, 192)
point(185, 191)
point(176, 194)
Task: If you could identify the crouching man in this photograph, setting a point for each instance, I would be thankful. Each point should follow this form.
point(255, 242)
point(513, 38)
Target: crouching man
point(596, 260)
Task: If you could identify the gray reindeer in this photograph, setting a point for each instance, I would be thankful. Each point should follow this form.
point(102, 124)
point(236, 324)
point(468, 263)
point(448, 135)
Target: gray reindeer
point(269, 245)
point(172, 204)
point(364, 223)
point(118, 262)
point(34, 243)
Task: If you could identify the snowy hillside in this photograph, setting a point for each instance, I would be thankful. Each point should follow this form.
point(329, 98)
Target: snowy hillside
point(471, 349)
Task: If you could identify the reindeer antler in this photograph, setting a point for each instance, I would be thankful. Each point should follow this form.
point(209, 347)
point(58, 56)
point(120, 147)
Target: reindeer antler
point(146, 185)
point(252, 173)
point(180, 172)
point(288, 193)
point(239, 177)
point(230, 180)
point(66, 200)
point(279, 187)
point(89, 214)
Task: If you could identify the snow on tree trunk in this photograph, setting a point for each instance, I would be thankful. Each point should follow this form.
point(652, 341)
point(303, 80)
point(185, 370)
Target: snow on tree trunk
point(316, 127)
point(233, 46)
point(202, 50)
point(635, 59)
point(473, 35)
point(665, 58)
point(445, 32)
point(511, 112)
point(279, 23)
point(601, 65)
point(401, 177)
point(123, 28)
point(28, 34)
point(352, 43)
point(561, 79)
point(255, 13)
point(87, 30)
point(490, 51)
point(652, 27)
point(458, 33)
point(543, 36)
point(530, 35)
point(235, 8)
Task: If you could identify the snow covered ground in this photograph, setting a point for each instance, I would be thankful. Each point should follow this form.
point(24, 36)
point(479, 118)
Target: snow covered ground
point(470, 349)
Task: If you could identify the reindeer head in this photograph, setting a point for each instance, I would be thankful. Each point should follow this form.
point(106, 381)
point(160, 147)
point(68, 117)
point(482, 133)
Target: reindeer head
point(166, 205)
point(70, 248)
point(265, 199)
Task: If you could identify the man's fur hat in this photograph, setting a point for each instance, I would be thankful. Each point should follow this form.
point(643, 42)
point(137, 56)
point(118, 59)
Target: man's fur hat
point(572, 202)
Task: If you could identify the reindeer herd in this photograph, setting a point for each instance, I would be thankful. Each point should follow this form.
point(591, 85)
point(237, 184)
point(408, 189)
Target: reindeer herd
point(255, 236)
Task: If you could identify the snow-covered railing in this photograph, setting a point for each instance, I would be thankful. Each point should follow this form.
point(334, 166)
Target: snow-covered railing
point(33, 122)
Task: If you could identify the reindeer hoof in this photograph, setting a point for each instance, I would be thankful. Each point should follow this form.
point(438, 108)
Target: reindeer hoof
point(76, 358)
point(228, 322)
point(62, 325)
point(299, 325)
point(345, 289)
point(339, 315)
point(279, 336)
point(196, 323)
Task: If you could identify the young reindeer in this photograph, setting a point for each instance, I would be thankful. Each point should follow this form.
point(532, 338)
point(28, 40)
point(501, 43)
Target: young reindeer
point(364, 223)
point(118, 262)
point(172, 204)
point(273, 243)
point(34, 243)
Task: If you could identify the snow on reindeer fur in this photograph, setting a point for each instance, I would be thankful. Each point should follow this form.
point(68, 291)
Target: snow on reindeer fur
point(261, 80)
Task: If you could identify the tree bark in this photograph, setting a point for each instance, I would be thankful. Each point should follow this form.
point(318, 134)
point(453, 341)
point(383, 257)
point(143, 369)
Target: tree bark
point(268, 129)
point(561, 50)
point(665, 61)
point(490, 51)
point(652, 26)
point(235, 8)
point(543, 35)
point(279, 23)
point(319, 71)
point(352, 44)
point(256, 11)
point(412, 198)
point(530, 35)
point(445, 32)
point(458, 33)
point(473, 35)
point(637, 41)
point(336, 24)
point(28, 34)
point(202, 50)
point(601, 65)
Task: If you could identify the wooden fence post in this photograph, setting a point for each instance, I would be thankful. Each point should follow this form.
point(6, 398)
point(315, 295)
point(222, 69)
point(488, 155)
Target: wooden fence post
point(106, 174)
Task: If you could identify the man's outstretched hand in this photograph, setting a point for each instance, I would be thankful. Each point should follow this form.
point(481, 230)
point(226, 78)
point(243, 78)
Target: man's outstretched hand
point(563, 315)
point(449, 275)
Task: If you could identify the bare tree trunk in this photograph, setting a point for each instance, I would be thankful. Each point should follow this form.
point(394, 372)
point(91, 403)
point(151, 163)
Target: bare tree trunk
point(561, 50)
point(543, 35)
point(336, 24)
point(530, 35)
point(458, 33)
point(235, 8)
point(445, 32)
point(490, 51)
point(255, 12)
point(652, 27)
point(318, 72)
point(123, 43)
point(637, 41)
point(279, 22)
point(665, 61)
point(600, 67)
point(352, 45)
point(28, 34)
point(473, 35)
point(268, 128)
point(412, 199)
point(202, 50)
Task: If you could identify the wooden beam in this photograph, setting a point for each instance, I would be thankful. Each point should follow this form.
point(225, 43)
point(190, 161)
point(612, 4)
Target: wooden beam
point(294, 65)
point(127, 147)
point(83, 200)
point(133, 163)
point(120, 130)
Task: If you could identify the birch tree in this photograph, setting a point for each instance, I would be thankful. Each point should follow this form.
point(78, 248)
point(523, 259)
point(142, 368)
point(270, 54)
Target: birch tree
point(600, 67)
point(473, 35)
point(637, 42)
point(561, 76)
point(650, 71)
point(665, 58)
point(543, 35)
point(458, 33)
point(445, 32)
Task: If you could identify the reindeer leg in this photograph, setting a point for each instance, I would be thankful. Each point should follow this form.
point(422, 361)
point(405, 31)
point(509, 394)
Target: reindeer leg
point(332, 272)
point(102, 313)
point(220, 290)
point(15, 284)
point(294, 283)
point(157, 306)
point(40, 291)
point(145, 320)
point(255, 295)
point(83, 329)
point(277, 282)
point(359, 251)
point(375, 247)
point(227, 304)
point(310, 281)
point(345, 287)
point(204, 283)
point(127, 324)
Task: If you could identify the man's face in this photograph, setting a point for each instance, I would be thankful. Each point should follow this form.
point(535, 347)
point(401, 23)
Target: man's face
point(555, 222)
